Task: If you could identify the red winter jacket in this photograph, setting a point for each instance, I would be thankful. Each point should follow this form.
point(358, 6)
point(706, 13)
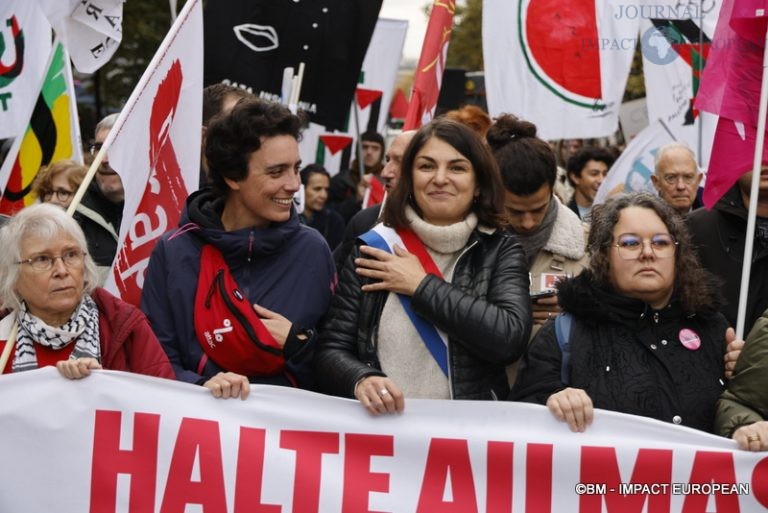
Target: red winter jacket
point(127, 342)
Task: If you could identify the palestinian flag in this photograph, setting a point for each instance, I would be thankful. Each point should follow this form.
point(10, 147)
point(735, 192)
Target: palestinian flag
point(52, 135)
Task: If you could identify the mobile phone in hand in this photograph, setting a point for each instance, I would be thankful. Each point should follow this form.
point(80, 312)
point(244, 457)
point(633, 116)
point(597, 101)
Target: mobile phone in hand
point(535, 296)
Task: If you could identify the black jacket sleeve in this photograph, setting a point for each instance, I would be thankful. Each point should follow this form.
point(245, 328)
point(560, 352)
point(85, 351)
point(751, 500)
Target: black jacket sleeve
point(493, 328)
point(540, 375)
point(338, 366)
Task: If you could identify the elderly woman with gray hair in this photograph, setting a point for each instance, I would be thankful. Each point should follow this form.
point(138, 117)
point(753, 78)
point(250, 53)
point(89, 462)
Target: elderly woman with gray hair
point(58, 317)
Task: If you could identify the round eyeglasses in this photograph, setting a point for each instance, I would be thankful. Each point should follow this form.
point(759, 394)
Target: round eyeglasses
point(71, 258)
point(673, 179)
point(631, 246)
point(61, 195)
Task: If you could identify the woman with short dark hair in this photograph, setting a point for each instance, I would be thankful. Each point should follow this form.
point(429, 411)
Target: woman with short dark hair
point(235, 291)
point(434, 302)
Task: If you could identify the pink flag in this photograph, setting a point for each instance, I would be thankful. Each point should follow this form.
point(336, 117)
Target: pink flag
point(155, 147)
point(429, 72)
point(730, 87)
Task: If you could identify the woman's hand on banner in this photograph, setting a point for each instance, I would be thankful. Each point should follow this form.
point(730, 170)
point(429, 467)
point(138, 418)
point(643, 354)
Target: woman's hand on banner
point(225, 385)
point(573, 406)
point(379, 394)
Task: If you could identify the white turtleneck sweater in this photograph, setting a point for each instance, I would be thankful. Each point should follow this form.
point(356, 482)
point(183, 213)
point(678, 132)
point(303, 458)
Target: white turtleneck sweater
point(402, 353)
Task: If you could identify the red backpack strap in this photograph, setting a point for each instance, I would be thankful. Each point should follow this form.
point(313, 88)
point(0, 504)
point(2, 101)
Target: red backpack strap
point(227, 328)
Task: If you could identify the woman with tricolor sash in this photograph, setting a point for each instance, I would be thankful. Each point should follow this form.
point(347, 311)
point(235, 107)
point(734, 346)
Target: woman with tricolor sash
point(433, 302)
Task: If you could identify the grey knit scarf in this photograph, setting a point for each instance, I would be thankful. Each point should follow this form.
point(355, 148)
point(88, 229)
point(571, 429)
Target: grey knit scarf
point(533, 243)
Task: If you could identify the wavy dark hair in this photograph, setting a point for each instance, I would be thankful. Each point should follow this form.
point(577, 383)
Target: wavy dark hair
point(231, 138)
point(527, 163)
point(695, 287)
point(489, 206)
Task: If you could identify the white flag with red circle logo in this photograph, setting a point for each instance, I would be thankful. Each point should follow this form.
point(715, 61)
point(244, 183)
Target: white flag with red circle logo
point(560, 65)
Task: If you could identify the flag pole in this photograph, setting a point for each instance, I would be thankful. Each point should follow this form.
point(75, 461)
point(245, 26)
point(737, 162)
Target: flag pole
point(8, 349)
point(358, 142)
point(749, 239)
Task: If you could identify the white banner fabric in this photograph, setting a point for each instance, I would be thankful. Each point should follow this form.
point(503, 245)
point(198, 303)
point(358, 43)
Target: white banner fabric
point(25, 44)
point(560, 65)
point(633, 169)
point(672, 71)
point(90, 29)
point(116, 442)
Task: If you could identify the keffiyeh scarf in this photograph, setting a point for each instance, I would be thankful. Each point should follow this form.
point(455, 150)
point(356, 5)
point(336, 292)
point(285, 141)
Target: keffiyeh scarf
point(82, 329)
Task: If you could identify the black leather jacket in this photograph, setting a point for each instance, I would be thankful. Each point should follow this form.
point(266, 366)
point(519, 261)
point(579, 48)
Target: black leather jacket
point(486, 312)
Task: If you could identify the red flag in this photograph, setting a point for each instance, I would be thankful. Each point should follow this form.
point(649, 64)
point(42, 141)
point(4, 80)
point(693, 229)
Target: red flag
point(335, 143)
point(374, 193)
point(730, 87)
point(429, 72)
point(366, 97)
point(152, 146)
point(399, 107)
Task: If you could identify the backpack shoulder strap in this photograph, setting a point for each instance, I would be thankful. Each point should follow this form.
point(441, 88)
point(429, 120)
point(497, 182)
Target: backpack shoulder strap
point(563, 324)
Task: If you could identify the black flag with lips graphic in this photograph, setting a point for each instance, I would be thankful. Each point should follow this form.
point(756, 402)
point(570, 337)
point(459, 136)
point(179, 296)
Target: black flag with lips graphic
point(250, 42)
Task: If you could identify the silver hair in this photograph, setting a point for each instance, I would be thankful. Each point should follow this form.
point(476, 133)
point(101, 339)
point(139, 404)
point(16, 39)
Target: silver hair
point(43, 220)
point(107, 123)
point(673, 146)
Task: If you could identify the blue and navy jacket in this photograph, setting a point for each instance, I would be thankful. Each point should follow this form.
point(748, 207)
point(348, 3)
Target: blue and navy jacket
point(287, 268)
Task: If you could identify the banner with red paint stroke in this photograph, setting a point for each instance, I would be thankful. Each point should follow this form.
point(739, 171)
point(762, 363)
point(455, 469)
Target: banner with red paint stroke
point(163, 197)
point(155, 148)
point(123, 442)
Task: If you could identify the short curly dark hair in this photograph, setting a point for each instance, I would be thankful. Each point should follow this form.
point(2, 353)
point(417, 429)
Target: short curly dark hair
point(232, 138)
point(694, 286)
point(577, 162)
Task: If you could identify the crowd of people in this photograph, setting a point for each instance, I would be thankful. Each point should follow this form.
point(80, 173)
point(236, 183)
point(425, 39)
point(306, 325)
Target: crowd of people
point(476, 278)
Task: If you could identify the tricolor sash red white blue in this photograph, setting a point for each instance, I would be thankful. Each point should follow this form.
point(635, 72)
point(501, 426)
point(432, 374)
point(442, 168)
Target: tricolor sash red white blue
point(384, 238)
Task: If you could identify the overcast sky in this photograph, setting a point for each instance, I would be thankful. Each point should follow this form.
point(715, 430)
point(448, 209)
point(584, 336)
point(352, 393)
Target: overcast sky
point(413, 11)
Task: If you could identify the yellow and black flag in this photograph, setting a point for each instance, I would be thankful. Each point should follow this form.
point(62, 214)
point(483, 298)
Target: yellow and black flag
point(52, 135)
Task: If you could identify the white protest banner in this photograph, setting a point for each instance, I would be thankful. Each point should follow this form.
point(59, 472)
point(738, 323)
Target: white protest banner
point(676, 37)
point(633, 169)
point(379, 73)
point(155, 147)
point(560, 65)
point(90, 29)
point(120, 442)
point(25, 44)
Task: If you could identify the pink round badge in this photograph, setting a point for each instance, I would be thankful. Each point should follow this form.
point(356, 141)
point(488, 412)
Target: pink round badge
point(689, 339)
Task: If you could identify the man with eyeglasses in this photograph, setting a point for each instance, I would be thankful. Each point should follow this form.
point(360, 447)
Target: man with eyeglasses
point(677, 177)
point(101, 210)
